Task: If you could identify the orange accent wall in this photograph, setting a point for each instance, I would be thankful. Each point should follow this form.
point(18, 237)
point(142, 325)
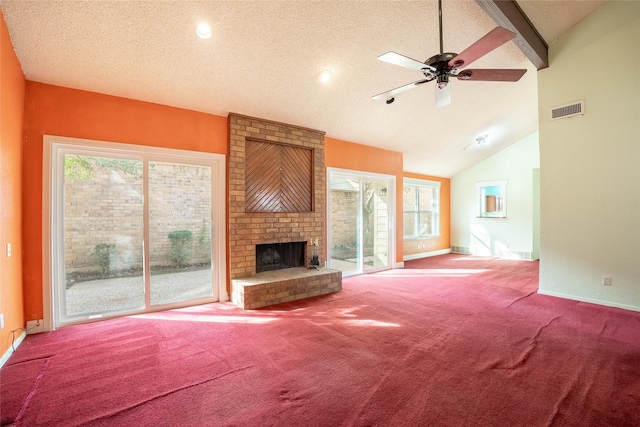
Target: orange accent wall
point(12, 87)
point(410, 247)
point(59, 111)
point(348, 155)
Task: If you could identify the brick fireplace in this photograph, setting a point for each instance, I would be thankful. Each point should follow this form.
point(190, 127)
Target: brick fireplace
point(247, 229)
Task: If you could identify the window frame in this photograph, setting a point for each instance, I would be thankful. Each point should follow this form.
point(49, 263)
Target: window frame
point(435, 226)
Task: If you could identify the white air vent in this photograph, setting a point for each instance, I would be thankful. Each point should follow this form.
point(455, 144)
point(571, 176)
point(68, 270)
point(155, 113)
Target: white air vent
point(566, 111)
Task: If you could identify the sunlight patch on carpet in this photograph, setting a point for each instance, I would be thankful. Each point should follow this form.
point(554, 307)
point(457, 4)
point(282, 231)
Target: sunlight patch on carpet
point(371, 322)
point(206, 318)
point(432, 272)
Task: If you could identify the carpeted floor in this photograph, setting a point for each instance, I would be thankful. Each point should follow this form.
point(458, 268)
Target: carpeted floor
point(447, 341)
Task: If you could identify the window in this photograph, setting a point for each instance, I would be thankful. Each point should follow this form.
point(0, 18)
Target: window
point(492, 199)
point(421, 207)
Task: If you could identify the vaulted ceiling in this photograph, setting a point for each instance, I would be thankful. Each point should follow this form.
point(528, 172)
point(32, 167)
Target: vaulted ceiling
point(264, 57)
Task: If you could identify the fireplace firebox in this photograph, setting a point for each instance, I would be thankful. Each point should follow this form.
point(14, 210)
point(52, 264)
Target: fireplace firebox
point(276, 256)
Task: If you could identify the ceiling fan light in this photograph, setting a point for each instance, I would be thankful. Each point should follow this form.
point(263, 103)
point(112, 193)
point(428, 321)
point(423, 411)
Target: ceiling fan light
point(443, 95)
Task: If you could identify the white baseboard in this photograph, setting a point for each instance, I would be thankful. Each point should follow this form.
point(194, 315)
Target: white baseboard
point(10, 350)
point(426, 254)
point(398, 265)
point(589, 300)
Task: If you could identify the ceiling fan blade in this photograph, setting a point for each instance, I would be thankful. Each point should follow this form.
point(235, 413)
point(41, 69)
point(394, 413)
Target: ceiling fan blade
point(494, 75)
point(385, 95)
point(493, 39)
point(404, 61)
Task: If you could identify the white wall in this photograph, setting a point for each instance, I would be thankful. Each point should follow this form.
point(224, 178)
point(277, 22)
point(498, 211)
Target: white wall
point(590, 165)
point(511, 237)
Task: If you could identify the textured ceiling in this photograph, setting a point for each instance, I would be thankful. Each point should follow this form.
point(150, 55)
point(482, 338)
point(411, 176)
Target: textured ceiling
point(552, 18)
point(264, 57)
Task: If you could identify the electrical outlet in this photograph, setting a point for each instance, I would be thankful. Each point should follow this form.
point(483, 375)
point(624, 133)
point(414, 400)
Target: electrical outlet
point(2, 321)
point(35, 326)
point(606, 280)
point(8, 249)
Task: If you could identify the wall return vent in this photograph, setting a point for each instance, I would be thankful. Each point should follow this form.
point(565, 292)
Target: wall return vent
point(566, 111)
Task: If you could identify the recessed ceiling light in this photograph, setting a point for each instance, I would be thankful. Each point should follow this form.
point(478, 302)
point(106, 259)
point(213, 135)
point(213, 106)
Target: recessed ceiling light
point(325, 76)
point(203, 30)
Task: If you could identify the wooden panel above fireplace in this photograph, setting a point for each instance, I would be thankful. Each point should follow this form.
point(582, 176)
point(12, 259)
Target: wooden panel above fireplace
point(279, 177)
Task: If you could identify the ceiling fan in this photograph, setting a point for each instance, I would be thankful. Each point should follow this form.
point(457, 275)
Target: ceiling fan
point(444, 65)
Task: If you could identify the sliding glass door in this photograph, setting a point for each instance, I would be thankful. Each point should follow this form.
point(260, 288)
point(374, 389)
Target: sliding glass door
point(180, 226)
point(375, 225)
point(360, 221)
point(102, 224)
point(131, 229)
point(345, 237)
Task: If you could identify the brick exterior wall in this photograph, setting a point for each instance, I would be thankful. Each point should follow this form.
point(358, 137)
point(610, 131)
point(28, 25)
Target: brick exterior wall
point(246, 230)
point(107, 208)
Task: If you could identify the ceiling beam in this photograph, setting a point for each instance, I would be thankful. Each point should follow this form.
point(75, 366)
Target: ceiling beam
point(507, 14)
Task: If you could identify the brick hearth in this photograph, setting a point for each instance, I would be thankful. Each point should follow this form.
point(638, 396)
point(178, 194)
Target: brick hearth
point(278, 286)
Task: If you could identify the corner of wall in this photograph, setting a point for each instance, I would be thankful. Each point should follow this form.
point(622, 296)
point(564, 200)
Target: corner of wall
point(12, 94)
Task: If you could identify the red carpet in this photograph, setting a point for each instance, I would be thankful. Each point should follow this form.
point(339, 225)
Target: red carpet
point(448, 341)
